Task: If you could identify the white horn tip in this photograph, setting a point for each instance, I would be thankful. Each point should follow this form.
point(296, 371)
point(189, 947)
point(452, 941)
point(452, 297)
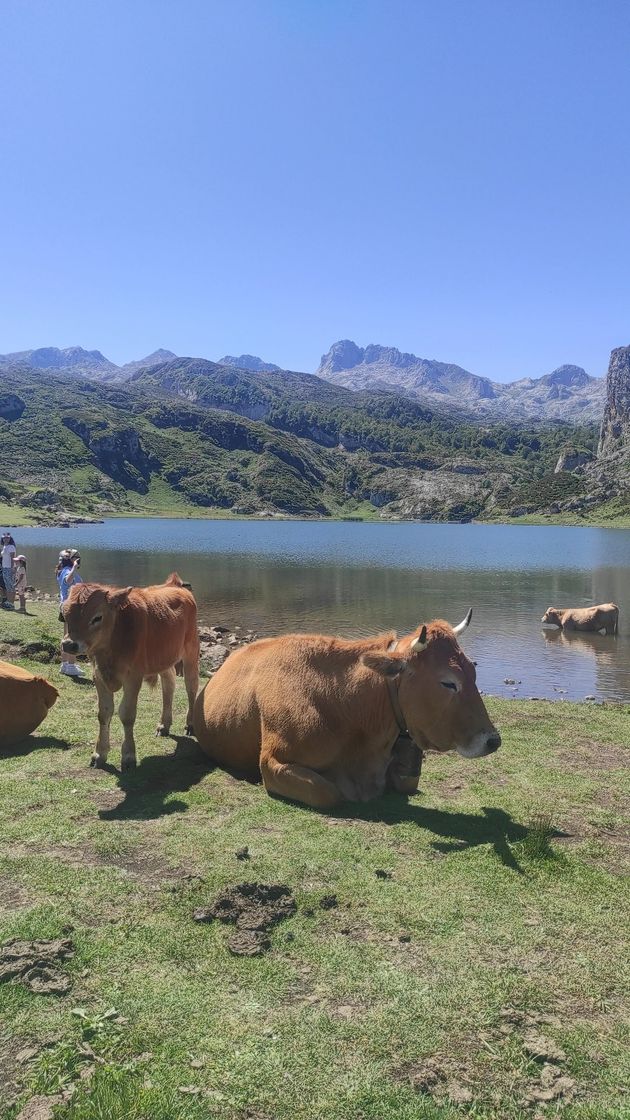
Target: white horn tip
point(421, 641)
point(462, 625)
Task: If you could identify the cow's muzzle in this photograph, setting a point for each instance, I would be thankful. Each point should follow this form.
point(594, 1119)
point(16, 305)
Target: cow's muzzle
point(68, 646)
point(486, 742)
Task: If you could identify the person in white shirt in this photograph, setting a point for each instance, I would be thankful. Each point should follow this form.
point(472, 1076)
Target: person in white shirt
point(7, 553)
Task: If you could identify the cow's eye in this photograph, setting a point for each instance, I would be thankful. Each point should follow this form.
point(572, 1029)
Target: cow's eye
point(97, 618)
point(449, 684)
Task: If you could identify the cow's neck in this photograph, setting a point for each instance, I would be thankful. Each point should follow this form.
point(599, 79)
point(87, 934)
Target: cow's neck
point(392, 688)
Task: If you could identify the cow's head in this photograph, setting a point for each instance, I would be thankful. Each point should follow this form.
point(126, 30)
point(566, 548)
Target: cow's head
point(90, 613)
point(437, 691)
point(552, 617)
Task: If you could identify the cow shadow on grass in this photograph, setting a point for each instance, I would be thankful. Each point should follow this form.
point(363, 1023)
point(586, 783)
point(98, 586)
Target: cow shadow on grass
point(458, 831)
point(34, 743)
point(148, 789)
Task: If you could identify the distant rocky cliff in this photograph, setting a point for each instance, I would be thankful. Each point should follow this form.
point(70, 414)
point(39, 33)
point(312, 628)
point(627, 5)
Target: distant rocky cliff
point(568, 393)
point(615, 430)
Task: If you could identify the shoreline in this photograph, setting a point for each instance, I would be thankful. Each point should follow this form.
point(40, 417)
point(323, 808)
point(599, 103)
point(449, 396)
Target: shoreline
point(22, 518)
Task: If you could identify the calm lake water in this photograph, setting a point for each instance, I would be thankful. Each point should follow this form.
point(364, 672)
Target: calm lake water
point(351, 579)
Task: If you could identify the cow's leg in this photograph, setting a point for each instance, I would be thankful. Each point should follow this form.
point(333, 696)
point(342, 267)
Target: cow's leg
point(127, 712)
point(191, 680)
point(105, 713)
point(168, 689)
point(298, 783)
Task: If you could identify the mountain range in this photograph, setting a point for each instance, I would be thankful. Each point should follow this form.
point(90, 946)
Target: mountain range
point(567, 393)
point(186, 434)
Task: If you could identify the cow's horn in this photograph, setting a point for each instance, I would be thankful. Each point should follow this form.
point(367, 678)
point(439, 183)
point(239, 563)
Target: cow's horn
point(421, 641)
point(462, 625)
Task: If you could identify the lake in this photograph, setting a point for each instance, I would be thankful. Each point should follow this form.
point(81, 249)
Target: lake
point(353, 578)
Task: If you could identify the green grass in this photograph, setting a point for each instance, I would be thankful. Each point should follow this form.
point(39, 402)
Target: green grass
point(11, 515)
point(506, 892)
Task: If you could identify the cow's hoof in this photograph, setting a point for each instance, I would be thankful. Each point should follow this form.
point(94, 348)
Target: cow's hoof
point(127, 764)
point(162, 732)
point(96, 762)
point(189, 730)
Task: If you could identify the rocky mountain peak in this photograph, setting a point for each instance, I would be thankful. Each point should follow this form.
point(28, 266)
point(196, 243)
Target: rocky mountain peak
point(51, 357)
point(250, 362)
point(344, 354)
point(615, 429)
point(574, 376)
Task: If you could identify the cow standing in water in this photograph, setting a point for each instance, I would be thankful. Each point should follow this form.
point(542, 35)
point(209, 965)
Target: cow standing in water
point(321, 718)
point(589, 619)
point(131, 635)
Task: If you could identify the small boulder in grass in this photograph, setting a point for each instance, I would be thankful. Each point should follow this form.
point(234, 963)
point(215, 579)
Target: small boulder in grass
point(25, 700)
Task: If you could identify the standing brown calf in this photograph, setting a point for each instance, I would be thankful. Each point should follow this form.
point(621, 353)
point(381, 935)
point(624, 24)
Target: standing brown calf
point(133, 634)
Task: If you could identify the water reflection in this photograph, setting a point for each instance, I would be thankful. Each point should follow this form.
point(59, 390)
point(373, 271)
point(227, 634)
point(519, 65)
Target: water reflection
point(357, 579)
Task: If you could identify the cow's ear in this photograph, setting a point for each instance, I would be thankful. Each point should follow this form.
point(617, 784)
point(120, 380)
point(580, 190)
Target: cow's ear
point(384, 664)
point(118, 598)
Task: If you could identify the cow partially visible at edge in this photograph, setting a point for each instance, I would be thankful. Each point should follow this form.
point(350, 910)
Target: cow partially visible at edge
point(603, 617)
point(321, 718)
point(131, 635)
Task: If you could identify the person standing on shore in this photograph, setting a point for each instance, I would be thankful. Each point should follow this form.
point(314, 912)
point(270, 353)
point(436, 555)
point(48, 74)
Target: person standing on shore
point(19, 581)
point(67, 573)
point(8, 552)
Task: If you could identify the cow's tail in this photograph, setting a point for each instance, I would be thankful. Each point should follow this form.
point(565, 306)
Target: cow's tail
point(179, 669)
point(152, 680)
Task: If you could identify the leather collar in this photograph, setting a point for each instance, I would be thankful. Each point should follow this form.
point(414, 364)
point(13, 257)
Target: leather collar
point(395, 702)
point(392, 688)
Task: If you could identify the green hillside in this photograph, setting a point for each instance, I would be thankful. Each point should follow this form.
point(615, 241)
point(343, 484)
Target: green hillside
point(189, 435)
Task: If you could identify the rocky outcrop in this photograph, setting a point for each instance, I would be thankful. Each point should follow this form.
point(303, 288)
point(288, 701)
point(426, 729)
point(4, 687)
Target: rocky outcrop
point(216, 643)
point(117, 452)
point(615, 429)
point(572, 458)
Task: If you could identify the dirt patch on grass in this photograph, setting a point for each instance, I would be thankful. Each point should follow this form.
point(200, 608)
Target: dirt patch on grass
point(585, 755)
point(138, 863)
point(36, 964)
point(12, 895)
point(610, 843)
point(253, 908)
point(534, 1073)
point(43, 650)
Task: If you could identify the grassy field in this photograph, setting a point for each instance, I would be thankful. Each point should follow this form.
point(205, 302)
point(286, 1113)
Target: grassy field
point(471, 962)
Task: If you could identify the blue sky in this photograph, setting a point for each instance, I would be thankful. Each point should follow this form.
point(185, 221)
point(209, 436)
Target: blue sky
point(268, 176)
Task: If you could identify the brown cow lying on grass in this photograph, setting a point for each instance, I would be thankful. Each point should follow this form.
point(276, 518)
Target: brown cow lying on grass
point(604, 617)
point(318, 717)
point(133, 634)
point(25, 701)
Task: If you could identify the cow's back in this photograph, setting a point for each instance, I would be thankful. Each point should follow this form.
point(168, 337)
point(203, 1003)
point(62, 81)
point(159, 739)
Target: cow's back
point(591, 618)
point(155, 628)
point(308, 687)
